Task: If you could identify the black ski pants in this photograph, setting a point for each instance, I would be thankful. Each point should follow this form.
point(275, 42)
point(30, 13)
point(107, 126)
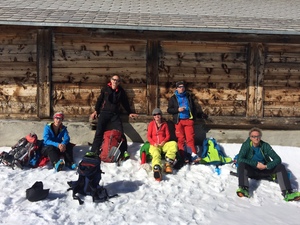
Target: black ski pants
point(246, 171)
point(55, 154)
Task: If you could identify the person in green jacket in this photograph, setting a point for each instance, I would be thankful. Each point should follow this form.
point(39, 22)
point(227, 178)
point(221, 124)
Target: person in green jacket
point(258, 160)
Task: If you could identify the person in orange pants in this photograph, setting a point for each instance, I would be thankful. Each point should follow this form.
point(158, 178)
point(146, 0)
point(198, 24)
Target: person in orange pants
point(158, 136)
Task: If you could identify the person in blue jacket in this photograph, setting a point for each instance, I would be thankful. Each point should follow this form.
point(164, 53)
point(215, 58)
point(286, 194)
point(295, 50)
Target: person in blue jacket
point(56, 144)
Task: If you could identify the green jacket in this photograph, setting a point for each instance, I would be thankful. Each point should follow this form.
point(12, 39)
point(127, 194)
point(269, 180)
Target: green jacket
point(246, 153)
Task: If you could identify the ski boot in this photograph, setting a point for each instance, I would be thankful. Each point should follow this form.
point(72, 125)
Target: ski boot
point(243, 192)
point(291, 196)
point(157, 173)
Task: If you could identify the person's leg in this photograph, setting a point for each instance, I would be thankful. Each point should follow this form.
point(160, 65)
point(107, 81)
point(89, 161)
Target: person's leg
point(52, 152)
point(282, 177)
point(103, 120)
point(170, 149)
point(156, 155)
point(190, 135)
point(68, 155)
point(179, 132)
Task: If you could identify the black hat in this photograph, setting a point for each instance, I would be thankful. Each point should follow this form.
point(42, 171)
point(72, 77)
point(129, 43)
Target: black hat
point(36, 192)
point(178, 83)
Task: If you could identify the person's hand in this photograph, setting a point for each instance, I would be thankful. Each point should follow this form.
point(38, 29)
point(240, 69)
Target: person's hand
point(180, 109)
point(93, 115)
point(162, 144)
point(261, 166)
point(133, 115)
point(62, 147)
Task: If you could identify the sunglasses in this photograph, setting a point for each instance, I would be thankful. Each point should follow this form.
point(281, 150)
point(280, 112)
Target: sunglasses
point(258, 137)
point(116, 80)
point(157, 114)
point(58, 118)
point(180, 86)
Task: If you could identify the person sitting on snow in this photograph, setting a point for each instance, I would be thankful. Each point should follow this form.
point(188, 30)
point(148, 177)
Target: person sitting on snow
point(257, 160)
point(158, 136)
point(57, 144)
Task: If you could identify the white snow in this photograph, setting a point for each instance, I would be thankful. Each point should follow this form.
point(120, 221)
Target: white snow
point(192, 195)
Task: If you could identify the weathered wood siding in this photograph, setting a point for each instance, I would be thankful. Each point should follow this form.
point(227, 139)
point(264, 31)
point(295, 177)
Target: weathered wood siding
point(18, 72)
point(282, 81)
point(215, 73)
point(83, 63)
point(239, 80)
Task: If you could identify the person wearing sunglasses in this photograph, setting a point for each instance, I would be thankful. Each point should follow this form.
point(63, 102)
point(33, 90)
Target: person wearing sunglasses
point(56, 144)
point(258, 160)
point(182, 107)
point(158, 136)
point(107, 110)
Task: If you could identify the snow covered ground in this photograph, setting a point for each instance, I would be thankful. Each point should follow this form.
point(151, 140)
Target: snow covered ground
point(192, 195)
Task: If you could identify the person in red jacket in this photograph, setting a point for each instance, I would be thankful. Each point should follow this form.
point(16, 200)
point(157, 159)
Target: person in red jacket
point(158, 136)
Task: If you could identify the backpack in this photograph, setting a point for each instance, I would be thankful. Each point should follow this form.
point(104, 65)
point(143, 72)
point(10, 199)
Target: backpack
point(113, 146)
point(89, 172)
point(212, 153)
point(24, 153)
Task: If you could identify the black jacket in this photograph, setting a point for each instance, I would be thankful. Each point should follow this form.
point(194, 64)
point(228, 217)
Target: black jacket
point(173, 106)
point(110, 100)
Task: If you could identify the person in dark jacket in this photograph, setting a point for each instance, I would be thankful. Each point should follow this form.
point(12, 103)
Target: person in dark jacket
point(258, 160)
point(108, 110)
point(182, 107)
point(57, 144)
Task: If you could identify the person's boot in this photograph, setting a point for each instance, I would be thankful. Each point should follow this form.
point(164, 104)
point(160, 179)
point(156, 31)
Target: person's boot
point(289, 195)
point(243, 192)
point(157, 173)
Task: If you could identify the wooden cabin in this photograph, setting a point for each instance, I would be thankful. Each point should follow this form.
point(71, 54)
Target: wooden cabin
point(238, 79)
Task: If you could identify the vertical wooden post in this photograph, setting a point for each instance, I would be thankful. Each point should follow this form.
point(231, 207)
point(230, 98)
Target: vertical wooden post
point(260, 80)
point(44, 51)
point(152, 75)
point(251, 92)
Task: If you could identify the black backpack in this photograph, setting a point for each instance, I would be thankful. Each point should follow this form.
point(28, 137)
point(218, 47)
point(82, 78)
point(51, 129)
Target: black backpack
point(25, 153)
point(89, 172)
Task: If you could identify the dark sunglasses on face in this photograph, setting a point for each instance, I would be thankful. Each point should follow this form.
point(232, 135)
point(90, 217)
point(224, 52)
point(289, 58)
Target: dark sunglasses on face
point(158, 114)
point(117, 80)
point(180, 86)
point(258, 137)
point(58, 118)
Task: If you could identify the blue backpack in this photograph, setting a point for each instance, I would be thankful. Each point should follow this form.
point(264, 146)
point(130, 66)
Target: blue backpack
point(212, 153)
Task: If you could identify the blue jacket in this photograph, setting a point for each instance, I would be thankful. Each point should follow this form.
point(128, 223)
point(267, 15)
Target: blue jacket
point(50, 138)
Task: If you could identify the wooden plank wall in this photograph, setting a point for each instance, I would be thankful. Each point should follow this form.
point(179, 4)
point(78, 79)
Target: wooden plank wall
point(215, 73)
point(282, 81)
point(18, 72)
point(235, 78)
point(83, 63)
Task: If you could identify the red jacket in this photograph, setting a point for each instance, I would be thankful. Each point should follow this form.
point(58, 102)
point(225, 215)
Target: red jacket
point(157, 135)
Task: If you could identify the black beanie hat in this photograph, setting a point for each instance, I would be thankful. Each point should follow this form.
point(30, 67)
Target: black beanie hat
point(36, 192)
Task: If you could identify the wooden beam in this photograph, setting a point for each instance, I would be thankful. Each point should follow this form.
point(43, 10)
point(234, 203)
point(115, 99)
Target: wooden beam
point(152, 75)
point(260, 80)
point(44, 50)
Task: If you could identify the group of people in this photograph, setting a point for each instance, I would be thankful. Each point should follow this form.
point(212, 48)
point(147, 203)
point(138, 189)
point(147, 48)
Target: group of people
point(256, 158)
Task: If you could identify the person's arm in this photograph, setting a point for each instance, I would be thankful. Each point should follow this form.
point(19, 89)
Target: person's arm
point(244, 151)
point(167, 134)
point(149, 133)
point(98, 105)
point(66, 136)
point(276, 160)
point(126, 105)
point(48, 136)
point(173, 106)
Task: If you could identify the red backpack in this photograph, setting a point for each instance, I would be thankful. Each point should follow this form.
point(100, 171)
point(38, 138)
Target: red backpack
point(110, 149)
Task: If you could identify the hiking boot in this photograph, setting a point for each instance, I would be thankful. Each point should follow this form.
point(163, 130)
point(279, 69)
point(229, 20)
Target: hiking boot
point(59, 165)
point(126, 155)
point(72, 166)
point(243, 192)
point(291, 196)
point(168, 168)
point(157, 173)
point(195, 158)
